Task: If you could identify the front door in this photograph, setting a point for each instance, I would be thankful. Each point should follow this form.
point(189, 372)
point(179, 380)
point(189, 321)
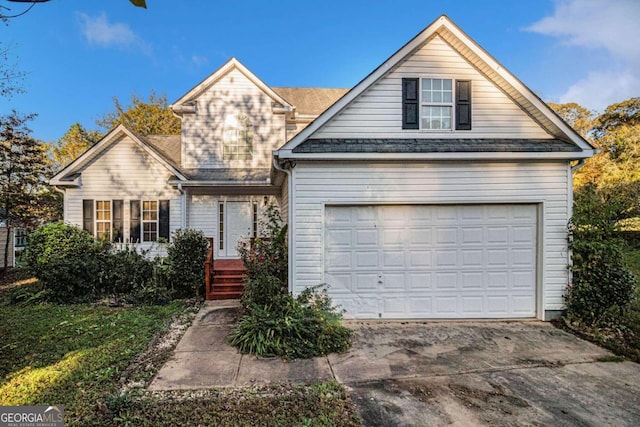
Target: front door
point(238, 225)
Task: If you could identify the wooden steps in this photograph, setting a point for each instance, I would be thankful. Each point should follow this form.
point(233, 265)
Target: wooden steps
point(227, 279)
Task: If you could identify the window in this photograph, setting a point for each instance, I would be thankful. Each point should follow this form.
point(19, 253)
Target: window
point(237, 138)
point(436, 104)
point(255, 219)
point(149, 221)
point(221, 226)
point(103, 219)
point(20, 240)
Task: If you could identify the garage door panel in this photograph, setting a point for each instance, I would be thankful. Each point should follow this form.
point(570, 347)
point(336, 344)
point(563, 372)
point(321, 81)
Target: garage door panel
point(366, 282)
point(447, 235)
point(472, 258)
point(466, 261)
point(418, 280)
point(366, 238)
point(420, 236)
point(419, 258)
point(393, 259)
point(338, 260)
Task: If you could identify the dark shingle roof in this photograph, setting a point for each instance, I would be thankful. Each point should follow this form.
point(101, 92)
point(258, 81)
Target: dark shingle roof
point(227, 174)
point(167, 145)
point(433, 145)
point(310, 100)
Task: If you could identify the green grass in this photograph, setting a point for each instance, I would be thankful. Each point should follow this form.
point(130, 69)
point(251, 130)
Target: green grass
point(72, 355)
point(77, 356)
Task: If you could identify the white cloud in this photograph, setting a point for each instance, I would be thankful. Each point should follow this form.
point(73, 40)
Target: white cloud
point(199, 60)
point(99, 31)
point(612, 25)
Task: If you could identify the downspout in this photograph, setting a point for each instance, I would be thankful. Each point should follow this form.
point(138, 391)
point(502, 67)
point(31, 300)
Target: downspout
point(183, 206)
point(290, 223)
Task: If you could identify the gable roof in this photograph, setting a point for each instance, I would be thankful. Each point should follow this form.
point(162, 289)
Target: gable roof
point(168, 146)
point(182, 105)
point(310, 101)
point(481, 60)
point(69, 175)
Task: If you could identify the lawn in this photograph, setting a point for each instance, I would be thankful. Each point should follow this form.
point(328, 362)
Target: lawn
point(87, 357)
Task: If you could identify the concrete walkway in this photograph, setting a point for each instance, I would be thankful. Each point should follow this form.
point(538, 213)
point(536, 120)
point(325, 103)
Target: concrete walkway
point(203, 358)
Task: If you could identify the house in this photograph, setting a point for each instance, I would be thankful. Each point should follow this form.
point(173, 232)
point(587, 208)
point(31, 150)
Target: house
point(440, 186)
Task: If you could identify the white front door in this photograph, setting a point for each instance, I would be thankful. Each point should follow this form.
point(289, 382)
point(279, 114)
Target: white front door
point(238, 225)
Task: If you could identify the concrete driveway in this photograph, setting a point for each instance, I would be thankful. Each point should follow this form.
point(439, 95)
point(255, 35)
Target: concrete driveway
point(484, 373)
point(431, 373)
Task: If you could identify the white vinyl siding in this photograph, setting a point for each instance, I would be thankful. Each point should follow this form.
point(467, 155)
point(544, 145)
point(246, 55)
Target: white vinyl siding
point(125, 172)
point(4, 233)
point(232, 96)
point(542, 183)
point(203, 214)
point(377, 113)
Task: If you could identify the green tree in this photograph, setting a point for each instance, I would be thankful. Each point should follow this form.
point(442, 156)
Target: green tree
point(73, 143)
point(576, 116)
point(23, 168)
point(150, 117)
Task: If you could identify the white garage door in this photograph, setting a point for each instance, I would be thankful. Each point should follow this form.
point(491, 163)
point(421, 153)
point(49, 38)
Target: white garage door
point(444, 261)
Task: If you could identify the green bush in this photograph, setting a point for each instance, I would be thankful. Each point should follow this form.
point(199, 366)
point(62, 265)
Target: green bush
point(185, 258)
point(602, 286)
point(67, 261)
point(302, 327)
point(276, 323)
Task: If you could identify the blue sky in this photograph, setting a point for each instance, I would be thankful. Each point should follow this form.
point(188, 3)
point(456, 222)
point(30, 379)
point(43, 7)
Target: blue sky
point(79, 54)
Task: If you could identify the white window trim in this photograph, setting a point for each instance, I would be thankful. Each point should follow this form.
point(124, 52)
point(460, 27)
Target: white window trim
point(149, 221)
point(434, 104)
point(97, 221)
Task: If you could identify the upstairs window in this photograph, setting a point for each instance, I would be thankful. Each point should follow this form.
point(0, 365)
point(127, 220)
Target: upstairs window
point(436, 104)
point(238, 138)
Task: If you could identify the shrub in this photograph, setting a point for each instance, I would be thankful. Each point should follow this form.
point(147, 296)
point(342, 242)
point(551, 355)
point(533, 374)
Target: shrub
point(266, 261)
point(124, 271)
point(602, 287)
point(67, 261)
point(276, 323)
point(302, 327)
point(185, 258)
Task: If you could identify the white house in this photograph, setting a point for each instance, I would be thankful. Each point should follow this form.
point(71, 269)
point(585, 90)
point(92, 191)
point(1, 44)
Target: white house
point(438, 187)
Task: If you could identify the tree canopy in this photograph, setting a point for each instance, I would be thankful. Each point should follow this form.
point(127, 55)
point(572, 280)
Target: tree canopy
point(147, 117)
point(614, 173)
point(74, 142)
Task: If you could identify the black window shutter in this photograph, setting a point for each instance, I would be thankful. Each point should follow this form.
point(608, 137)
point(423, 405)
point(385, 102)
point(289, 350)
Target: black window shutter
point(117, 220)
point(87, 215)
point(463, 104)
point(134, 222)
point(410, 103)
point(163, 219)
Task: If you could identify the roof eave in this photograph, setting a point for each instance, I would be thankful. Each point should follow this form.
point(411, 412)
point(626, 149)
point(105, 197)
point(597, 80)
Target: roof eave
point(555, 155)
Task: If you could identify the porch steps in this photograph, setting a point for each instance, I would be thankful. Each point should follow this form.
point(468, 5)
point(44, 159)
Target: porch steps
point(228, 279)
